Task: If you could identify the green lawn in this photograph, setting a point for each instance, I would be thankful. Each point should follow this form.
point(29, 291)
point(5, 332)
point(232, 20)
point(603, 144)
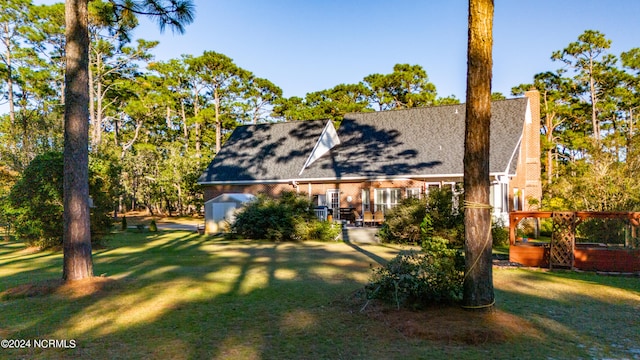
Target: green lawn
point(179, 295)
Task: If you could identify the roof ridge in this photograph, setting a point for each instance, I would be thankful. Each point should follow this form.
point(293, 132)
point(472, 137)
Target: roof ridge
point(428, 107)
point(277, 123)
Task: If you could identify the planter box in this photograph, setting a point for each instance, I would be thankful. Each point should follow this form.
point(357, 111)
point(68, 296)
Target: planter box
point(530, 254)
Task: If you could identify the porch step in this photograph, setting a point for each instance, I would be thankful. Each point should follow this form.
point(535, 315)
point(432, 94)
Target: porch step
point(365, 235)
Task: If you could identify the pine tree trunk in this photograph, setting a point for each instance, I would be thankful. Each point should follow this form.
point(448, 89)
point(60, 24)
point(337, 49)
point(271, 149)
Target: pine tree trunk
point(184, 125)
point(478, 281)
point(9, 70)
point(77, 235)
point(218, 122)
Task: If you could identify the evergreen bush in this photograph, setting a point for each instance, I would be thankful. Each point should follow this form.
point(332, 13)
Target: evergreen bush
point(36, 202)
point(403, 222)
point(286, 218)
point(152, 226)
point(499, 233)
point(416, 279)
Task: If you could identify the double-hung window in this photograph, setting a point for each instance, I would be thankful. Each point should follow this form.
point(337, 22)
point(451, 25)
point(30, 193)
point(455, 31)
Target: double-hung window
point(387, 198)
point(413, 193)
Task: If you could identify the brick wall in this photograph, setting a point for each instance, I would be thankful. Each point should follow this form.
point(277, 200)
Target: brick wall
point(347, 189)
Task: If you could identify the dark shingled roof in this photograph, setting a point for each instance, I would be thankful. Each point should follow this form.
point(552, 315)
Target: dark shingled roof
point(264, 152)
point(415, 142)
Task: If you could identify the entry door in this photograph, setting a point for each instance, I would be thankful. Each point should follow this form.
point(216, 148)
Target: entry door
point(333, 202)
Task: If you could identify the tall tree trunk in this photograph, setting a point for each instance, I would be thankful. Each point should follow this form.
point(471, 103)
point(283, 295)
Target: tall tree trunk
point(92, 107)
point(184, 125)
point(8, 63)
point(95, 106)
point(196, 111)
point(548, 118)
point(218, 122)
point(594, 109)
point(78, 263)
point(630, 134)
point(180, 207)
point(549, 166)
point(98, 116)
point(478, 281)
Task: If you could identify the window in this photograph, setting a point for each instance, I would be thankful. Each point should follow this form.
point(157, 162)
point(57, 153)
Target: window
point(455, 191)
point(517, 202)
point(439, 185)
point(431, 186)
point(413, 193)
point(386, 199)
point(366, 203)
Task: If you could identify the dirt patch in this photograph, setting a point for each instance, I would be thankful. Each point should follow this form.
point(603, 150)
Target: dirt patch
point(454, 325)
point(70, 289)
point(448, 324)
point(86, 287)
point(41, 288)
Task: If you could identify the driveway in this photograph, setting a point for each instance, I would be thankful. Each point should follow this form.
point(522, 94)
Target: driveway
point(174, 226)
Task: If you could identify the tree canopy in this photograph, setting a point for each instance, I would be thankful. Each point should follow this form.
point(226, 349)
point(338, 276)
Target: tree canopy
point(589, 109)
point(158, 123)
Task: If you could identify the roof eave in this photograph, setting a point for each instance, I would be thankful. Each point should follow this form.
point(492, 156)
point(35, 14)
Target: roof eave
point(345, 179)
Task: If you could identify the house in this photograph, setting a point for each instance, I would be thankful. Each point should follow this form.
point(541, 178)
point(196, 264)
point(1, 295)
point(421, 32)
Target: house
point(375, 159)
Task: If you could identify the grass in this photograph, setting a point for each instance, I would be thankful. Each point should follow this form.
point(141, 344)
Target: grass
point(180, 295)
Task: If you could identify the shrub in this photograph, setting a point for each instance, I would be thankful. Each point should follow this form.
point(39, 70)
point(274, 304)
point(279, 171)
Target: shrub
point(499, 233)
point(443, 208)
point(36, 199)
point(152, 226)
point(447, 215)
point(419, 278)
point(546, 227)
point(289, 217)
point(36, 202)
point(403, 222)
point(123, 227)
point(323, 230)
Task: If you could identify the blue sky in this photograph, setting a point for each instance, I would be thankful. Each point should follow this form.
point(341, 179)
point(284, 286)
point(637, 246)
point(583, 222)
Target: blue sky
point(309, 45)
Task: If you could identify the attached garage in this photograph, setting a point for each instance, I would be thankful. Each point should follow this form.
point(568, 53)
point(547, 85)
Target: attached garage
point(220, 211)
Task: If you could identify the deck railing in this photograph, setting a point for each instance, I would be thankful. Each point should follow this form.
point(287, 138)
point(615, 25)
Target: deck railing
point(586, 240)
point(625, 223)
point(321, 213)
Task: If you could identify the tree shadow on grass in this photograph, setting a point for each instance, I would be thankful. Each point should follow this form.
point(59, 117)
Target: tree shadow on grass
point(381, 261)
point(157, 273)
point(183, 296)
point(588, 315)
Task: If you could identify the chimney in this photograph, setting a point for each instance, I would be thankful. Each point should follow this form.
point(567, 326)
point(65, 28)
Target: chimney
point(530, 150)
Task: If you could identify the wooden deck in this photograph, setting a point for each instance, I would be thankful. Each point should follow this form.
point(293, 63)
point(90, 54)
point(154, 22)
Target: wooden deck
point(590, 257)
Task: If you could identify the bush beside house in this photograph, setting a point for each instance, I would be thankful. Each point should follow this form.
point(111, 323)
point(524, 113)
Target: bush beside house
point(289, 217)
point(403, 222)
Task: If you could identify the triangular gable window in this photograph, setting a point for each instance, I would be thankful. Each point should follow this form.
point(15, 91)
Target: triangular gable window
point(327, 141)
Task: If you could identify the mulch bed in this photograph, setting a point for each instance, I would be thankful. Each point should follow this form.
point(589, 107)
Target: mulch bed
point(447, 324)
